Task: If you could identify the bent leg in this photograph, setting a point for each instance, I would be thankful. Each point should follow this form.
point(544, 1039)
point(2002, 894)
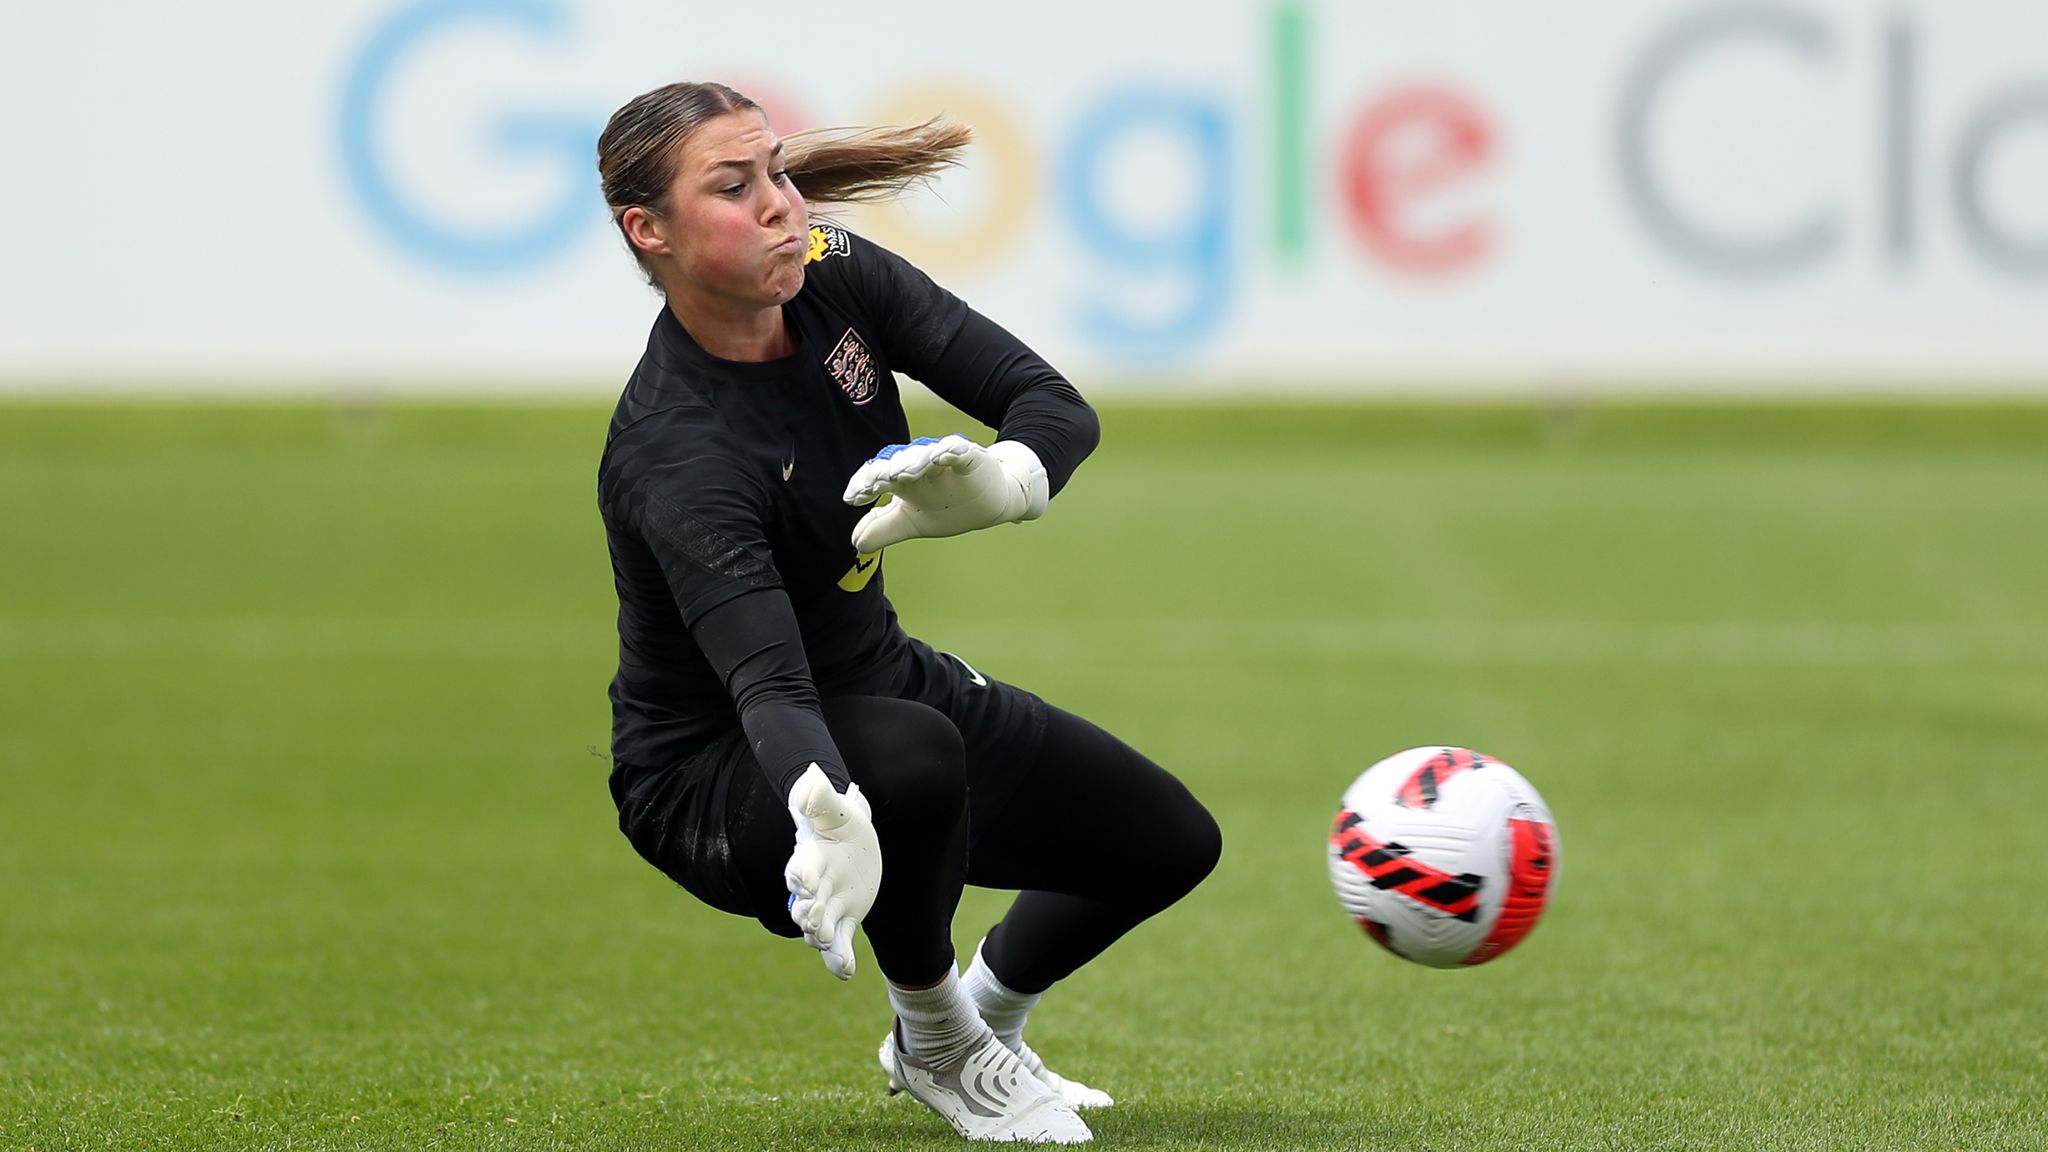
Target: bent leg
point(1098, 838)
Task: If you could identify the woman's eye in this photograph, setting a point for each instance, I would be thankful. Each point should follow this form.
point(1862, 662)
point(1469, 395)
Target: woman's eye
point(781, 177)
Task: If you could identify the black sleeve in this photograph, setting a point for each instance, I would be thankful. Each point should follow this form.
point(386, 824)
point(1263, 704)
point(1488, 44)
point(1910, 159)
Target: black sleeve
point(970, 362)
point(995, 378)
point(701, 514)
point(753, 644)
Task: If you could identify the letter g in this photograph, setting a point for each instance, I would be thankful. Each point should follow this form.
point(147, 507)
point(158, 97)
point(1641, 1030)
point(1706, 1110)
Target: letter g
point(449, 245)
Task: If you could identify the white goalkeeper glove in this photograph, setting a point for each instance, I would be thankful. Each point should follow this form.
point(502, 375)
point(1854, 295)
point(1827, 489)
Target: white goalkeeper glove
point(944, 488)
point(836, 869)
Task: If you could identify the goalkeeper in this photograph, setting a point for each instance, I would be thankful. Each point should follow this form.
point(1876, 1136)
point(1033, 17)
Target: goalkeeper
point(781, 748)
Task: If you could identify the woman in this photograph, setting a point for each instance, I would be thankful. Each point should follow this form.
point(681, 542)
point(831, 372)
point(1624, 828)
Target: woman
point(781, 748)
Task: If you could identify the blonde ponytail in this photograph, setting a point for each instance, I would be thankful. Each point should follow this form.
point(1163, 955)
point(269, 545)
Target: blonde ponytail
point(867, 165)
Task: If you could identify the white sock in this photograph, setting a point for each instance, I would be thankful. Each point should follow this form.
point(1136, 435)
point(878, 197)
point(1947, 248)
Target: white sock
point(1004, 1010)
point(938, 1024)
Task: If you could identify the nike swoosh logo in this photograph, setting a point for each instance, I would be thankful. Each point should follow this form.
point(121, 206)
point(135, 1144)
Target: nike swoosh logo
point(979, 680)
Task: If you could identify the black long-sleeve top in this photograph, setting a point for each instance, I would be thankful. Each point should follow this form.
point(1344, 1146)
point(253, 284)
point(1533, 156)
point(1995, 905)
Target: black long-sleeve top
point(741, 599)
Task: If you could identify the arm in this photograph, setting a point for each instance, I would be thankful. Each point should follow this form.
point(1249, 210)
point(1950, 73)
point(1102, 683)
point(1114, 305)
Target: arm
point(700, 518)
point(997, 379)
point(753, 644)
point(972, 363)
point(836, 869)
point(950, 486)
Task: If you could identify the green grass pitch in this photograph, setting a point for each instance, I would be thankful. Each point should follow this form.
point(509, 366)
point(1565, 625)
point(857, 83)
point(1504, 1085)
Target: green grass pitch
point(304, 838)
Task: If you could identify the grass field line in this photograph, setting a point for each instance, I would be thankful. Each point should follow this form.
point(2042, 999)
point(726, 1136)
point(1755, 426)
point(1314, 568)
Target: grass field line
point(1536, 643)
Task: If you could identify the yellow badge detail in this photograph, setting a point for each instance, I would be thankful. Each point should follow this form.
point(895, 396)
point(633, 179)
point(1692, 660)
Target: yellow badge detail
point(864, 568)
point(827, 241)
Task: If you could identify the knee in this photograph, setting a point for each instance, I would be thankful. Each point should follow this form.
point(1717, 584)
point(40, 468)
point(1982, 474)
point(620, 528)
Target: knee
point(1197, 846)
point(913, 767)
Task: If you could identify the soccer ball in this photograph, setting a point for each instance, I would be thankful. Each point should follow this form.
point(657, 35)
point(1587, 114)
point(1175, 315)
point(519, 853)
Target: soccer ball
point(1444, 856)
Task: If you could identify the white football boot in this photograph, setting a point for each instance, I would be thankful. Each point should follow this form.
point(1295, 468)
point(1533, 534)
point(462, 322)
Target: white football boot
point(1075, 1093)
point(988, 1096)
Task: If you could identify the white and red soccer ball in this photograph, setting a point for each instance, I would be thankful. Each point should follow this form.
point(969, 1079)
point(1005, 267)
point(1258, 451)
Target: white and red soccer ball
point(1444, 856)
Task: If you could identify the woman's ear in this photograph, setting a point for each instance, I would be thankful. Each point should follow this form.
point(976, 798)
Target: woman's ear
point(644, 230)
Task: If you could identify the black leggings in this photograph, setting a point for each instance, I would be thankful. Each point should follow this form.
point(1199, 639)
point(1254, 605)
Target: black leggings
point(1095, 836)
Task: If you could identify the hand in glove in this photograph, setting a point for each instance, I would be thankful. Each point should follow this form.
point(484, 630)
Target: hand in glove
point(836, 869)
point(944, 488)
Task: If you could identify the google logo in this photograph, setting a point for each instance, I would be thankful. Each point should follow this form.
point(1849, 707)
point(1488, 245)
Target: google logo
point(1409, 143)
point(1404, 169)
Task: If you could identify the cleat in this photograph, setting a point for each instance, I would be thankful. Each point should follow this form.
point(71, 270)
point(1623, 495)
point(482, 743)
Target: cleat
point(887, 1055)
point(990, 1096)
point(1075, 1093)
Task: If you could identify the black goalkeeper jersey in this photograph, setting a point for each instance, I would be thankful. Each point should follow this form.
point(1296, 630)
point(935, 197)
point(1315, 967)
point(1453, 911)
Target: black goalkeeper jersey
point(741, 599)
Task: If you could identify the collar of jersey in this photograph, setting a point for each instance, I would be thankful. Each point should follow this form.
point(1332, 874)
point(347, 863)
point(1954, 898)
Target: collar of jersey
point(686, 352)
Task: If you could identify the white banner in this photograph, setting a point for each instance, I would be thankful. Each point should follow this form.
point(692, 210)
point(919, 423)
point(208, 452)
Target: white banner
point(1258, 195)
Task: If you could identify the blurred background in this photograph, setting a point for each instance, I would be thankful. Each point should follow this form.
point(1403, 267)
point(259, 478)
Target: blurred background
point(1652, 395)
point(1248, 198)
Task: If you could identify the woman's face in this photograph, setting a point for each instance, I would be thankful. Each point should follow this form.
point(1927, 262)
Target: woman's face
point(736, 230)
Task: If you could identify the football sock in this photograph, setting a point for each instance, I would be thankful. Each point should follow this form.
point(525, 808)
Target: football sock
point(1004, 1009)
point(938, 1024)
